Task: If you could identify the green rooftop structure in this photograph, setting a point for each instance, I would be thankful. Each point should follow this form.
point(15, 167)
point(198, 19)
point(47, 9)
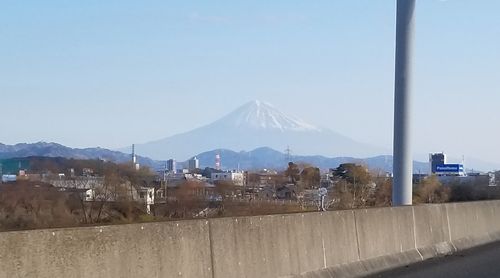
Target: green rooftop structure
point(13, 165)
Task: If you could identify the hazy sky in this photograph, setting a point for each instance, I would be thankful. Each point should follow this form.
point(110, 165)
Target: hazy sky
point(110, 73)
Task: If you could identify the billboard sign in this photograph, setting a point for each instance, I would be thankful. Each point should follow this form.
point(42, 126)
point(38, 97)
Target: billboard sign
point(449, 168)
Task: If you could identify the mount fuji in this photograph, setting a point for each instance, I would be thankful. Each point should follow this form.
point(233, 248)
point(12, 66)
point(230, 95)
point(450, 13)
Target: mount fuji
point(253, 125)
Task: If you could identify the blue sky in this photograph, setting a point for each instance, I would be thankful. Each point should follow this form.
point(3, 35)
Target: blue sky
point(109, 73)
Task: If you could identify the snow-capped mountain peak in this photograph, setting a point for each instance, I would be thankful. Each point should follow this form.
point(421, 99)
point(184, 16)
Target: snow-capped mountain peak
point(262, 115)
point(253, 125)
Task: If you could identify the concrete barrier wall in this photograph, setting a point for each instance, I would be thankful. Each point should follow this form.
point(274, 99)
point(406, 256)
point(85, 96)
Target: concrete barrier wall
point(282, 245)
point(432, 232)
point(384, 231)
point(473, 223)
point(268, 246)
point(173, 249)
point(330, 244)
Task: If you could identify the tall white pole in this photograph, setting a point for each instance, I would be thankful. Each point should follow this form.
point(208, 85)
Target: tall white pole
point(402, 164)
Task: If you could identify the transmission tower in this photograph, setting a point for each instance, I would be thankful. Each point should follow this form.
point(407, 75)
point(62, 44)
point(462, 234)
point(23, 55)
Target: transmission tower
point(288, 153)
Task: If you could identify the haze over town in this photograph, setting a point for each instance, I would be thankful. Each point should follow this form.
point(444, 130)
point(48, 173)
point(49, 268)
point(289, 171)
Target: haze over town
point(111, 75)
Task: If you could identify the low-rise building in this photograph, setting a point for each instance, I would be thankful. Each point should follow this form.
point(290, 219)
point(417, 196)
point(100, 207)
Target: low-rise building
point(237, 178)
point(9, 178)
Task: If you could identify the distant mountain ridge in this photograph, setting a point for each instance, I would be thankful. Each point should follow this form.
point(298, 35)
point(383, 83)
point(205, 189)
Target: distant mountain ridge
point(259, 158)
point(254, 125)
point(57, 150)
point(262, 158)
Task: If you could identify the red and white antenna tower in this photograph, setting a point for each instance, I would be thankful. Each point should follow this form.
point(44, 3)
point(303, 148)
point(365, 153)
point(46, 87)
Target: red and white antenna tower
point(217, 162)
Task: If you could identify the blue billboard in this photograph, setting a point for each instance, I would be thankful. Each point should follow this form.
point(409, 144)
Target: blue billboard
point(449, 168)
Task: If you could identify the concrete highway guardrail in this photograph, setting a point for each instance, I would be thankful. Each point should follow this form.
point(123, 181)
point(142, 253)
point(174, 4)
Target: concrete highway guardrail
point(323, 244)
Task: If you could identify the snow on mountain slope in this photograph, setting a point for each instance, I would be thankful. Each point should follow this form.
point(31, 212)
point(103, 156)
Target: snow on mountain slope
point(262, 115)
point(253, 125)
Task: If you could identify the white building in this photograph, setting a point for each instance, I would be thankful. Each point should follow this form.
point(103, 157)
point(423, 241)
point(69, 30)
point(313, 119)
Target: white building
point(9, 178)
point(237, 178)
point(492, 179)
point(194, 164)
point(147, 196)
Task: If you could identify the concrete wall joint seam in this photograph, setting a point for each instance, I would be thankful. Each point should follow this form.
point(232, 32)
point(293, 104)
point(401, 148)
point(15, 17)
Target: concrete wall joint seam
point(415, 233)
point(357, 234)
point(210, 239)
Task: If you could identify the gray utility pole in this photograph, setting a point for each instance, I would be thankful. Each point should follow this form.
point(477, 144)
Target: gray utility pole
point(402, 164)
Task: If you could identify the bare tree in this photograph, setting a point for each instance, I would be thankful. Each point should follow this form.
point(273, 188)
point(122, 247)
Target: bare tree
point(383, 193)
point(430, 190)
point(354, 187)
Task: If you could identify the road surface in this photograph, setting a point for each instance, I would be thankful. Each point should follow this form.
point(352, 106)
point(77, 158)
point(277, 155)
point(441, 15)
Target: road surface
point(482, 261)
